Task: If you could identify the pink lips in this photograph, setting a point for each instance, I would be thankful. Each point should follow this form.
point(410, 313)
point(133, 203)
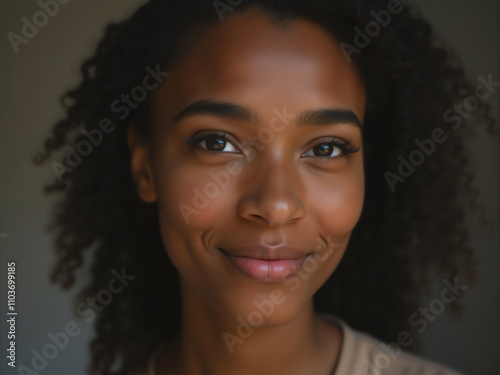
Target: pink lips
point(265, 263)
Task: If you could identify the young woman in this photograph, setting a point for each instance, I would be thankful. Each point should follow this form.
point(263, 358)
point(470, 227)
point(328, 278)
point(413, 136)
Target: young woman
point(272, 178)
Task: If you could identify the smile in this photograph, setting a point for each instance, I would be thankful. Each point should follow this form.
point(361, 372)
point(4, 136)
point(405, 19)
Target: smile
point(264, 264)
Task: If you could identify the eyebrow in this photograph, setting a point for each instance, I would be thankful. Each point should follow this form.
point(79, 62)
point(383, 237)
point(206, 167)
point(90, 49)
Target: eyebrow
point(224, 110)
point(232, 111)
point(327, 116)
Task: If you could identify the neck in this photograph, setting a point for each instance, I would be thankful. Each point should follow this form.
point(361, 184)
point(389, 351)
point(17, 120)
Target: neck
point(209, 343)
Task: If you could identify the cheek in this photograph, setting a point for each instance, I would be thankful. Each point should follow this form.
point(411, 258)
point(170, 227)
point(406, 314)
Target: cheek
point(189, 206)
point(191, 196)
point(336, 202)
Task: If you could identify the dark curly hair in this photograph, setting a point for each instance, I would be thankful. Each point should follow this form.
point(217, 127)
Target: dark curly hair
point(406, 228)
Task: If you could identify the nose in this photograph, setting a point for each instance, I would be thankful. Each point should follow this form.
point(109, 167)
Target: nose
point(273, 198)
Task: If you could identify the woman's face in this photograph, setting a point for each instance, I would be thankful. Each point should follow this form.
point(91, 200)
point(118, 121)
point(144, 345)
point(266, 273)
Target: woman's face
point(256, 163)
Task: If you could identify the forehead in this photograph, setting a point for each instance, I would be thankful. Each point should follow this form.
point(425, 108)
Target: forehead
point(248, 57)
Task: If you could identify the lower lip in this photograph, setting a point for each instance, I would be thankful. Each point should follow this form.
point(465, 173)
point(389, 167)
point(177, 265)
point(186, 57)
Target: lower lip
point(266, 270)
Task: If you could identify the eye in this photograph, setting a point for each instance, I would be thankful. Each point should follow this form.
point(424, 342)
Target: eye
point(324, 150)
point(332, 148)
point(213, 141)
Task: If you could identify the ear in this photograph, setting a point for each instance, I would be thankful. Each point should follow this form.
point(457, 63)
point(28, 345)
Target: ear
point(140, 166)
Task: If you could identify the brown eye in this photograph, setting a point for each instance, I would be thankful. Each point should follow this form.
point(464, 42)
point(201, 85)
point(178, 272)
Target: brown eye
point(213, 141)
point(328, 150)
point(325, 150)
point(331, 148)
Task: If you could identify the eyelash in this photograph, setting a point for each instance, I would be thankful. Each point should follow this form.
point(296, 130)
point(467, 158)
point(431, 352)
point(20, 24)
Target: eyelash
point(346, 147)
point(196, 139)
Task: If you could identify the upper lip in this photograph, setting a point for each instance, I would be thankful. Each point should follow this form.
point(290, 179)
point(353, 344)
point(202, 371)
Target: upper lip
point(258, 251)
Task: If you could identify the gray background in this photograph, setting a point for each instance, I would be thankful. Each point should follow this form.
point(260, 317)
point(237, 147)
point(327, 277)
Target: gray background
point(31, 83)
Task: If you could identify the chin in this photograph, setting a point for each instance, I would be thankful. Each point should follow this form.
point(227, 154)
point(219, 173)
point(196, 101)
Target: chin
point(277, 306)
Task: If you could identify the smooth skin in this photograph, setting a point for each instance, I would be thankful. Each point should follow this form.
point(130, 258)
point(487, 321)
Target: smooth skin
point(288, 187)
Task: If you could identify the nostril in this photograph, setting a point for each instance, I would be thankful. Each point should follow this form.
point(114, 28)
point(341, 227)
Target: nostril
point(259, 217)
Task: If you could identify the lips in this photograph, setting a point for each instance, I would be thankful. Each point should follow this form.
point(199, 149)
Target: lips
point(265, 263)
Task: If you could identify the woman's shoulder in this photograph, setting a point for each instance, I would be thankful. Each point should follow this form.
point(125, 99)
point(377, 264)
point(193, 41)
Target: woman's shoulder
point(362, 354)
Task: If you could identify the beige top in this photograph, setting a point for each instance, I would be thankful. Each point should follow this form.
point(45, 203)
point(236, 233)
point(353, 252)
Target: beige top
point(362, 354)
